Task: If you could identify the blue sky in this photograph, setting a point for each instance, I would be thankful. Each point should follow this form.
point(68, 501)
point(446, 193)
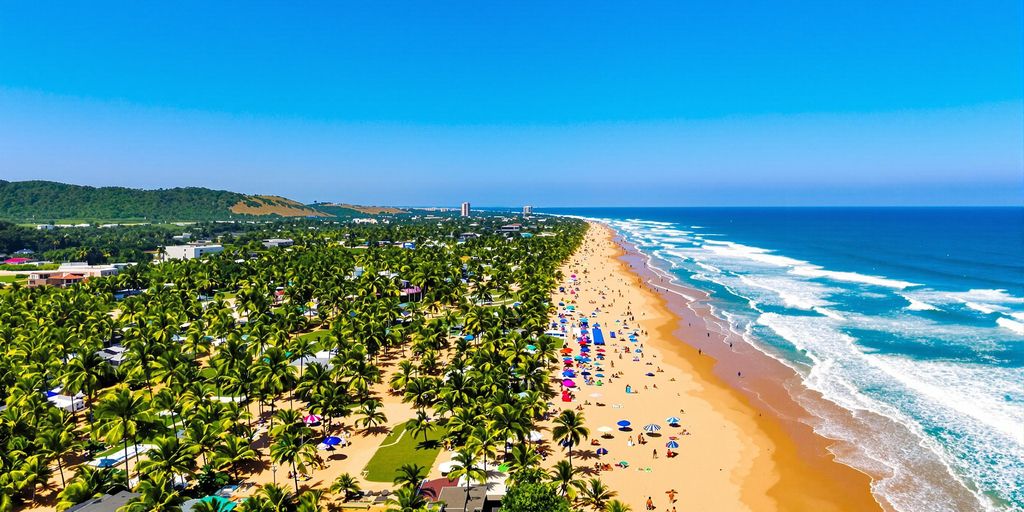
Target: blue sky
point(549, 103)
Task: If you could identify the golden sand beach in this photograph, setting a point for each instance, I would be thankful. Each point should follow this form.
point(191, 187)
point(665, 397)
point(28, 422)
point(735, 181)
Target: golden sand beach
point(733, 454)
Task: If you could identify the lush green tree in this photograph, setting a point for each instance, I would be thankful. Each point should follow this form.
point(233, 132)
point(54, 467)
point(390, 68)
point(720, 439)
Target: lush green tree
point(534, 497)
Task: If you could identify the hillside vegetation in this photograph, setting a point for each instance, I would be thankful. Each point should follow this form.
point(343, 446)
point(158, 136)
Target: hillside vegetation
point(274, 205)
point(48, 201)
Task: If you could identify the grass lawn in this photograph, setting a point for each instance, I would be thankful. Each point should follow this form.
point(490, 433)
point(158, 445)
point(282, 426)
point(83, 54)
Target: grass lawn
point(399, 448)
point(313, 335)
point(18, 278)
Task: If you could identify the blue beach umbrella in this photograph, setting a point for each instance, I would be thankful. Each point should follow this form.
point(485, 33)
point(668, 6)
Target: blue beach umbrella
point(672, 420)
point(469, 337)
point(652, 427)
point(569, 373)
point(623, 423)
point(672, 444)
point(602, 451)
point(331, 441)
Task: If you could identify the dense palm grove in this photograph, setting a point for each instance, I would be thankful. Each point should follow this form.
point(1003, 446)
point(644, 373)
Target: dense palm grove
point(468, 353)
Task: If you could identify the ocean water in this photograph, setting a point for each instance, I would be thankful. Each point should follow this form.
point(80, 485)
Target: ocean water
point(914, 314)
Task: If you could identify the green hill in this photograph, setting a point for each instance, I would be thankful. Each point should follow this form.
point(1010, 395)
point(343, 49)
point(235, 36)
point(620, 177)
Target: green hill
point(46, 201)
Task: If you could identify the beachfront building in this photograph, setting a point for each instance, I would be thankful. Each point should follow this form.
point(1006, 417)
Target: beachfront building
point(527, 211)
point(278, 242)
point(71, 273)
point(190, 251)
point(465, 209)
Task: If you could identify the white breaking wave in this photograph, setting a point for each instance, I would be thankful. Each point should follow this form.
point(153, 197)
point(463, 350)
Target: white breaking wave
point(1013, 325)
point(917, 305)
point(987, 309)
point(794, 293)
point(850, 277)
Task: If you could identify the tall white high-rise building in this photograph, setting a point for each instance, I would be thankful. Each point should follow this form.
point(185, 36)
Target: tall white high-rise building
point(527, 210)
point(465, 209)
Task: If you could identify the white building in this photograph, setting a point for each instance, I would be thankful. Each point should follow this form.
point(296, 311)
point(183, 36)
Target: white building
point(190, 251)
point(465, 209)
point(527, 210)
point(45, 227)
point(278, 242)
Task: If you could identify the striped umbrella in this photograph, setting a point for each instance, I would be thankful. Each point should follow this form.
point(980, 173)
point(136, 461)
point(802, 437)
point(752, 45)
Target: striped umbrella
point(672, 420)
point(672, 445)
point(652, 427)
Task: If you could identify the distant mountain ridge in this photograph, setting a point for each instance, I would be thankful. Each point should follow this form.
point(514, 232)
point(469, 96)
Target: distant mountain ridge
point(47, 201)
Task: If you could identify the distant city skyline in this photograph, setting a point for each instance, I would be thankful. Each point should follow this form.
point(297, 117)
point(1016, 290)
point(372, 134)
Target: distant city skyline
point(574, 104)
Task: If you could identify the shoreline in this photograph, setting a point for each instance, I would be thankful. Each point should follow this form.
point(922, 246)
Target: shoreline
point(746, 452)
point(813, 471)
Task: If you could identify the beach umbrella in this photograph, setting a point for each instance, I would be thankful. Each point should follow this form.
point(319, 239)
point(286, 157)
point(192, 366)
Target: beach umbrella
point(567, 350)
point(604, 430)
point(672, 420)
point(584, 360)
point(652, 427)
point(568, 383)
point(535, 436)
point(331, 441)
point(311, 419)
point(531, 347)
point(624, 463)
point(638, 351)
point(584, 349)
point(602, 451)
point(599, 375)
point(595, 395)
point(672, 444)
point(568, 373)
point(585, 373)
point(470, 337)
point(649, 374)
point(623, 423)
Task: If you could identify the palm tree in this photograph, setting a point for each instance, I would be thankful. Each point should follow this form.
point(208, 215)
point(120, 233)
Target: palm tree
point(410, 475)
point(595, 493)
point(421, 424)
point(290, 450)
point(90, 482)
point(86, 373)
point(564, 476)
point(406, 499)
point(617, 506)
point(157, 495)
point(169, 457)
point(233, 452)
point(372, 415)
point(569, 429)
point(346, 485)
point(57, 443)
point(466, 467)
point(119, 413)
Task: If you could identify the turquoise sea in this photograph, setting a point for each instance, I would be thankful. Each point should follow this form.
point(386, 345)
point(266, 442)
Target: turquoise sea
point(914, 314)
